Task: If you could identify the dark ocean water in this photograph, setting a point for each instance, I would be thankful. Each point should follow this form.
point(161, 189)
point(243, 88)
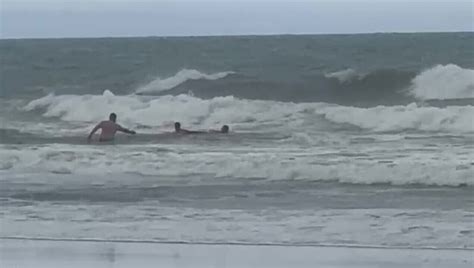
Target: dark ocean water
point(285, 68)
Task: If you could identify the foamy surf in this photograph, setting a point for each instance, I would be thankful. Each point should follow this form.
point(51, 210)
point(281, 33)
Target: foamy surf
point(162, 159)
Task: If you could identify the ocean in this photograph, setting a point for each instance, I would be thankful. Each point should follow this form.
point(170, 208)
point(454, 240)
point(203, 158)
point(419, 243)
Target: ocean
point(348, 140)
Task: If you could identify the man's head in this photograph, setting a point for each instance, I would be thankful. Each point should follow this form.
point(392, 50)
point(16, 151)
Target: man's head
point(225, 129)
point(113, 117)
point(177, 126)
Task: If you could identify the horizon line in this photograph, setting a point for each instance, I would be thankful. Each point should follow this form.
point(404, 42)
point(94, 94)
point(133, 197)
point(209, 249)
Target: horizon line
point(232, 35)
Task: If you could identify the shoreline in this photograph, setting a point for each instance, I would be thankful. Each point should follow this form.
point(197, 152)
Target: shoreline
point(48, 253)
point(232, 243)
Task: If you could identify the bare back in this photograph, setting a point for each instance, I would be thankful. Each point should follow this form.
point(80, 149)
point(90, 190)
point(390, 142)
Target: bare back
point(108, 129)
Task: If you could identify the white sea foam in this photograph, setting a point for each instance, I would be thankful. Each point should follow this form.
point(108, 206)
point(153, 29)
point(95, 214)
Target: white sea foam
point(458, 119)
point(370, 165)
point(444, 82)
point(180, 77)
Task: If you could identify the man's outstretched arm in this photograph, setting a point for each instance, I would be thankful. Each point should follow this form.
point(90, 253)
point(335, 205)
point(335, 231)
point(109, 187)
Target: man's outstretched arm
point(126, 130)
point(94, 131)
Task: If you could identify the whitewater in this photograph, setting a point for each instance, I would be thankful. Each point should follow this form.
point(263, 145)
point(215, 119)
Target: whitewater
point(324, 148)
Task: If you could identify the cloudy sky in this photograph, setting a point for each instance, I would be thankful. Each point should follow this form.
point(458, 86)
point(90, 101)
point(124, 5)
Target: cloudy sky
point(98, 18)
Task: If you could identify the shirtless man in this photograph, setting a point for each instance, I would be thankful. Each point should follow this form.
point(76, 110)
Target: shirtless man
point(108, 129)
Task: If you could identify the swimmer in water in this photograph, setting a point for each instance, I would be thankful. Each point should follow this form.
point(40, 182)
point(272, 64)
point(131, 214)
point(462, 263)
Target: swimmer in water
point(224, 130)
point(179, 130)
point(108, 129)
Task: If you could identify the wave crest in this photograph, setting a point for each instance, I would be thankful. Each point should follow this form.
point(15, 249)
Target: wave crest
point(345, 76)
point(180, 77)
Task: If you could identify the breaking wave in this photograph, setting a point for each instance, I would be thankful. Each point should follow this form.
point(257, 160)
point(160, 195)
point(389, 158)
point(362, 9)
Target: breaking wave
point(404, 117)
point(444, 82)
point(161, 110)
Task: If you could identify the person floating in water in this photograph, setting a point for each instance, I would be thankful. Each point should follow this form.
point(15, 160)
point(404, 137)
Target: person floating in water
point(108, 129)
point(224, 130)
point(179, 130)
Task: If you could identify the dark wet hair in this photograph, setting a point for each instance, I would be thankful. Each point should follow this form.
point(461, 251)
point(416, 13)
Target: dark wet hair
point(112, 116)
point(225, 129)
point(177, 125)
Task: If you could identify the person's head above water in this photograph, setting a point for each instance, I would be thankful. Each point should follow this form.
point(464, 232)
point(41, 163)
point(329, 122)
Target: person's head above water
point(113, 117)
point(177, 126)
point(225, 129)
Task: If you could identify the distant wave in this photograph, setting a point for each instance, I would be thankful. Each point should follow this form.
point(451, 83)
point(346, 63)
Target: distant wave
point(346, 87)
point(444, 82)
point(342, 87)
point(441, 82)
point(180, 77)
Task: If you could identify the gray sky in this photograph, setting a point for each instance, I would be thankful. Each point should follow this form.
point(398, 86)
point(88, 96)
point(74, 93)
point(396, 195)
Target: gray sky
point(97, 18)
